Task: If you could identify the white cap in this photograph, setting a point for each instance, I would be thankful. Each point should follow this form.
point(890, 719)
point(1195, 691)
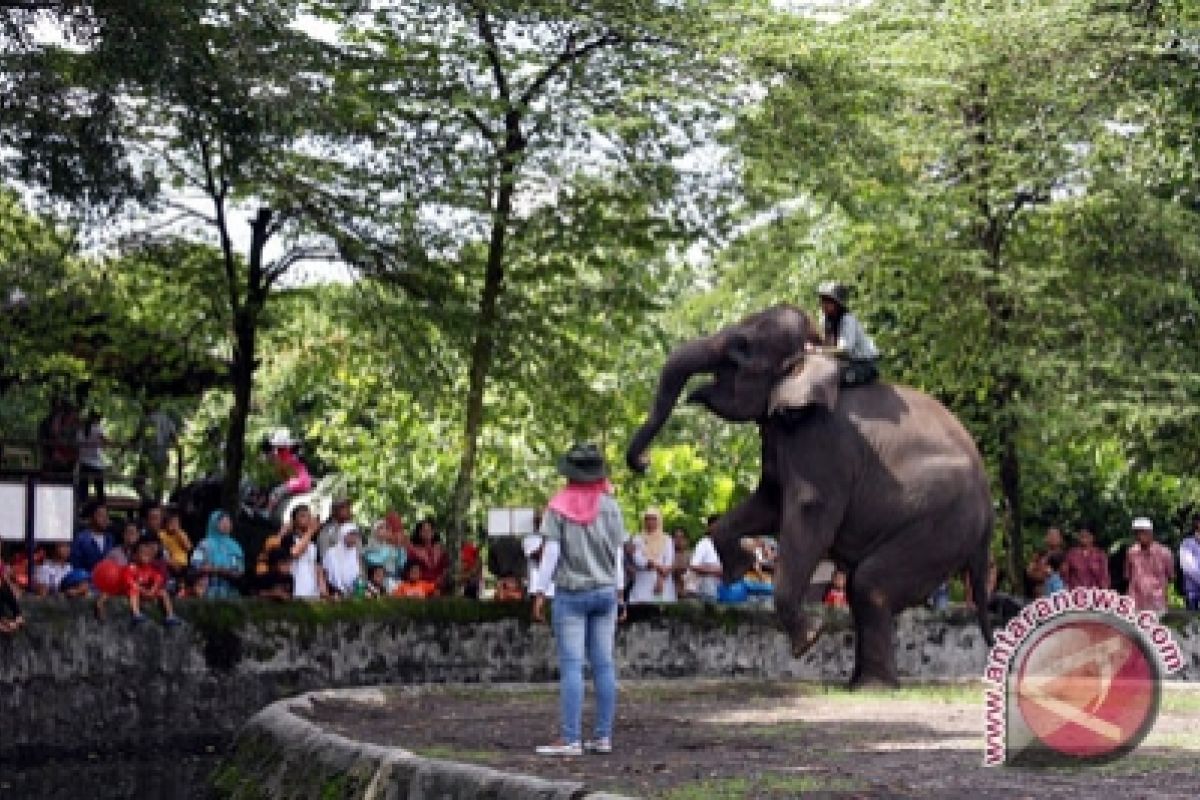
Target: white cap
point(1143, 524)
point(347, 528)
point(282, 437)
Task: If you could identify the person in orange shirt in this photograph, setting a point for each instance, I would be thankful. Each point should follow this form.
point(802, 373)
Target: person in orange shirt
point(176, 545)
point(143, 581)
point(413, 584)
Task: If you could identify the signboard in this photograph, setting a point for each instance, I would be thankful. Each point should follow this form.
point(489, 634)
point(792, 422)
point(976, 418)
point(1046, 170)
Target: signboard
point(12, 511)
point(54, 512)
point(53, 509)
point(510, 521)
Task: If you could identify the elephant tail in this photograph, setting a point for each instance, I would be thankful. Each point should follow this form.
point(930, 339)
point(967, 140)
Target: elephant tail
point(977, 571)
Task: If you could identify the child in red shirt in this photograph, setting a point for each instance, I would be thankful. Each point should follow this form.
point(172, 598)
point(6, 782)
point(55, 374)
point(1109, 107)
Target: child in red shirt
point(836, 596)
point(144, 581)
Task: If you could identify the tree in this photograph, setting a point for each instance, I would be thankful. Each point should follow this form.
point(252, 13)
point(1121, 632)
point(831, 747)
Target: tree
point(207, 97)
point(963, 173)
point(501, 132)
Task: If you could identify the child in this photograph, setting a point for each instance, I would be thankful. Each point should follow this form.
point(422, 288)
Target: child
point(278, 583)
point(50, 572)
point(836, 596)
point(413, 585)
point(176, 545)
point(377, 581)
point(11, 619)
point(144, 581)
point(1054, 582)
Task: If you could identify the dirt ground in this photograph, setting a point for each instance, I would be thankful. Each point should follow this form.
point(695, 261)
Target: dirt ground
point(752, 739)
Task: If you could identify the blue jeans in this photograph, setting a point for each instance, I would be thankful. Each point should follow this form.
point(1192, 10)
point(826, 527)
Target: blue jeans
point(586, 623)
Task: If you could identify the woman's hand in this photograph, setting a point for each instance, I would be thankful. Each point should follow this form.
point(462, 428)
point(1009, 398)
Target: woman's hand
point(539, 607)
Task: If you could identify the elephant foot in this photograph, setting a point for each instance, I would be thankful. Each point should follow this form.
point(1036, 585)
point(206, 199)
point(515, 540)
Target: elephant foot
point(869, 680)
point(804, 639)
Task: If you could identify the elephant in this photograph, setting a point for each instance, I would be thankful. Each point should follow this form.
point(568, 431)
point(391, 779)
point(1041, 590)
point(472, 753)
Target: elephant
point(882, 478)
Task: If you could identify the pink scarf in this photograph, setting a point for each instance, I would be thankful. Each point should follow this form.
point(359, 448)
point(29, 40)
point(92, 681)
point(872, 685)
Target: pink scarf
point(580, 502)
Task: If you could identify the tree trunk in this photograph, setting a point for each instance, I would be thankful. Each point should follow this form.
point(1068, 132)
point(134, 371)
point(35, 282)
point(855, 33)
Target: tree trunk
point(482, 351)
point(246, 319)
point(1010, 487)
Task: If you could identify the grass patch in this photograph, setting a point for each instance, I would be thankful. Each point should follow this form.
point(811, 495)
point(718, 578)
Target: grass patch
point(950, 693)
point(444, 753)
point(768, 785)
point(1180, 701)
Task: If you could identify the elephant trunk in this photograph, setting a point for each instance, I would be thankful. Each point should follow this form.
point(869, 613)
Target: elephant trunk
point(686, 360)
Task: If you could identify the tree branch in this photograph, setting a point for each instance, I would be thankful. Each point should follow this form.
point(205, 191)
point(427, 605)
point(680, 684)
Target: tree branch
point(569, 55)
point(493, 53)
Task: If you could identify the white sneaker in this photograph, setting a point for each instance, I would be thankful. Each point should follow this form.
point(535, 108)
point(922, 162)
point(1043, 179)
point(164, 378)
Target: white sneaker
point(599, 746)
point(572, 749)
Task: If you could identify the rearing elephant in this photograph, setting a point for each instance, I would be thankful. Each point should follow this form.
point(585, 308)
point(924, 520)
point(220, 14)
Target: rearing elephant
point(882, 477)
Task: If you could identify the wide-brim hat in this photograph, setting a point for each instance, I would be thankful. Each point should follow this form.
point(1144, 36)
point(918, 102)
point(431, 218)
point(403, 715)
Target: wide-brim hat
point(583, 463)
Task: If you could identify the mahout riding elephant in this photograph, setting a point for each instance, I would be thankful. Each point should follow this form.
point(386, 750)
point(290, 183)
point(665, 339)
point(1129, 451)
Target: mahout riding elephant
point(881, 477)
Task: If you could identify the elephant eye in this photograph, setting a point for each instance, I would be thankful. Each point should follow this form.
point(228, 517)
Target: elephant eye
point(739, 351)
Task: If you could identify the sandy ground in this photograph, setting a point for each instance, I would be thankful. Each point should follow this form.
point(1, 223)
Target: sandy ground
point(752, 739)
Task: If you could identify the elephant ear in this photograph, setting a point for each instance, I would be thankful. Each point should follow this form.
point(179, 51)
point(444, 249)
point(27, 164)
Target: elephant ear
point(812, 380)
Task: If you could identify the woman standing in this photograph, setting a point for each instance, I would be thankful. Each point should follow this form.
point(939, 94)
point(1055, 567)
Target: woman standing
point(654, 557)
point(584, 535)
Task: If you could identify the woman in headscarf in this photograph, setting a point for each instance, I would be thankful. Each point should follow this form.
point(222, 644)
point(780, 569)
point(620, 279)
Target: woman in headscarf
point(654, 557)
point(584, 534)
point(342, 566)
point(384, 550)
point(219, 557)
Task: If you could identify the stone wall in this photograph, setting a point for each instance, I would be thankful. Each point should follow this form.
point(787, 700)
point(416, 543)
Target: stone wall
point(73, 684)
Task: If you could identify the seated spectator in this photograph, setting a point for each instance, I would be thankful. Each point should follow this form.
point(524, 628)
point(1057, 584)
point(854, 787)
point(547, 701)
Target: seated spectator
point(278, 583)
point(681, 573)
point(385, 550)
point(219, 558)
point(52, 570)
point(75, 585)
point(144, 582)
point(414, 585)
point(706, 564)
point(836, 596)
point(11, 619)
point(126, 552)
point(341, 562)
point(426, 550)
point(176, 545)
point(94, 542)
point(378, 583)
point(1054, 582)
point(470, 569)
point(194, 584)
point(152, 519)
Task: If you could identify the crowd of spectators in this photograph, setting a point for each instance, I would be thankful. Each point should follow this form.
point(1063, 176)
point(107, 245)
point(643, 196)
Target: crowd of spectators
point(149, 559)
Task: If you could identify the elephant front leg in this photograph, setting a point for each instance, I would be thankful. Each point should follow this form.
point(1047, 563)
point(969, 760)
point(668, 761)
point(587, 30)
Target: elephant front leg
point(805, 538)
point(758, 514)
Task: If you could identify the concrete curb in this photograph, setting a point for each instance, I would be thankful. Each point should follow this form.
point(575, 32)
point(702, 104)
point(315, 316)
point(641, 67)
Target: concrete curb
point(280, 754)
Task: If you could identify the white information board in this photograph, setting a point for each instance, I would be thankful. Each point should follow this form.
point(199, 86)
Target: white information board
point(510, 521)
point(54, 513)
point(12, 512)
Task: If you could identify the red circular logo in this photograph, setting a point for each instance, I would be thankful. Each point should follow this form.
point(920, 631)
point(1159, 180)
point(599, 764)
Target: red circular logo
point(1087, 687)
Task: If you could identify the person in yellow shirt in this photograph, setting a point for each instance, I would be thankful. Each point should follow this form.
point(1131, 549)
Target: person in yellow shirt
point(176, 544)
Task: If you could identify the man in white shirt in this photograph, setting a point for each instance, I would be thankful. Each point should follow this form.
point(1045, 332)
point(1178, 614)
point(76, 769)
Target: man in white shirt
point(50, 572)
point(92, 441)
point(706, 564)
